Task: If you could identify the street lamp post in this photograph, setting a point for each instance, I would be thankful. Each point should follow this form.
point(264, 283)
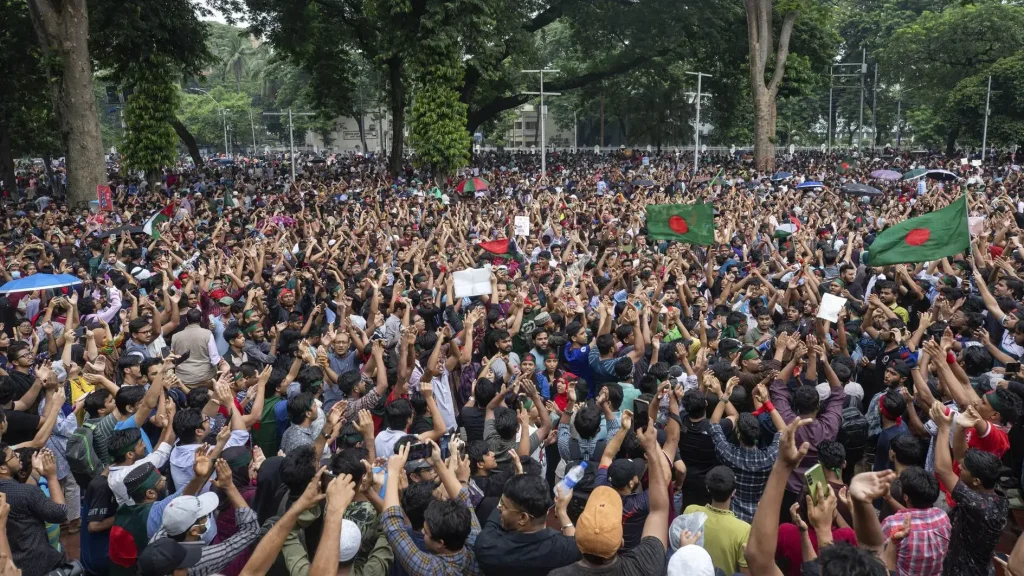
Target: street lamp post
point(542, 93)
point(222, 111)
point(696, 126)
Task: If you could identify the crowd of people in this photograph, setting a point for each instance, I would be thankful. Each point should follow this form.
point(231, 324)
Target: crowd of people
point(254, 376)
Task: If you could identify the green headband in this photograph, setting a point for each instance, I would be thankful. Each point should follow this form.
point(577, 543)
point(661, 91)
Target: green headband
point(124, 450)
point(751, 354)
point(995, 402)
point(250, 328)
point(241, 460)
point(150, 482)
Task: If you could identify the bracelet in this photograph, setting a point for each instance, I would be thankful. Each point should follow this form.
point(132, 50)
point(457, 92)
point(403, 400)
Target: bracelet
point(569, 525)
point(768, 406)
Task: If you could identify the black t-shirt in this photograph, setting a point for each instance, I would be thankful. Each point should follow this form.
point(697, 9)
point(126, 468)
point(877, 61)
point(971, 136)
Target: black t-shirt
point(472, 418)
point(21, 426)
point(503, 553)
point(697, 451)
point(647, 559)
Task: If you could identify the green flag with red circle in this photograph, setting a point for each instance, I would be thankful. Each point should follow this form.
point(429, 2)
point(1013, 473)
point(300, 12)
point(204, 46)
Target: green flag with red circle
point(935, 235)
point(690, 223)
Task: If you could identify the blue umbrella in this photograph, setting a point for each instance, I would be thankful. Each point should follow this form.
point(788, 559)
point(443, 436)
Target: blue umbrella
point(781, 176)
point(39, 282)
point(810, 184)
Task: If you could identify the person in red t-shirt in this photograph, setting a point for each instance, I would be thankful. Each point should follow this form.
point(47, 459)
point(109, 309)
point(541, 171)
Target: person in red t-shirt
point(984, 426)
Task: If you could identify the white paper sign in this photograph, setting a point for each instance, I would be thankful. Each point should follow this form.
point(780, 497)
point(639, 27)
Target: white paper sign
point(976, 224)
point(647, 161)
point(975, 163)
point(472, 282)
point(522, 224)
point(963, 160)
point(830, 307)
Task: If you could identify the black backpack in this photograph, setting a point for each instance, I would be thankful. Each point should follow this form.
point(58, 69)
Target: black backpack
point(581, 492)
point(853, 432)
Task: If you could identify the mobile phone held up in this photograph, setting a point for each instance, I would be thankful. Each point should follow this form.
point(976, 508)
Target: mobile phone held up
point(813, 477)
point(419, 451)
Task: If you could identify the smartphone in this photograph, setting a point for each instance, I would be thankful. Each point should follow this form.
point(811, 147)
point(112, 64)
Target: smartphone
point(641, 407)
point(812, 477)
point(463, 435)
point(181, 359)
point(1012, 367)
point(419, 451)
point(325, 480)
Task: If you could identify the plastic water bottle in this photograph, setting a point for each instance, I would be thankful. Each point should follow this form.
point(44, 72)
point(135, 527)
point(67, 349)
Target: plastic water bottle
point(570, 479)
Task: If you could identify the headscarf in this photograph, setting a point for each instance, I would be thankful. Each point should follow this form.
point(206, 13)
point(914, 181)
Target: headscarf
point(270, 489)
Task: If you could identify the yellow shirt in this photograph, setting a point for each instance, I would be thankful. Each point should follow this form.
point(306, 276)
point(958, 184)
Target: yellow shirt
point(901, 312)
point(79, 388)
point(725, 535)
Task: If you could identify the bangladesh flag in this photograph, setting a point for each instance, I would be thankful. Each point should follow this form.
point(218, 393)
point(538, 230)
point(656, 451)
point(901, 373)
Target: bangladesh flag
point(691, 223)
point(152, 226)
point(935, 235)
point(846, 165)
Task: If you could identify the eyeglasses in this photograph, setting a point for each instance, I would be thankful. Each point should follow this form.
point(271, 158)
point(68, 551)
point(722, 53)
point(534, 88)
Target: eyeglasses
point(502, 506)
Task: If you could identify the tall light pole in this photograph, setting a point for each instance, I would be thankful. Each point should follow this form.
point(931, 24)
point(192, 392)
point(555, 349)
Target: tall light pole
point(696, 125)
point(542, 93)
point(984, 132)
point(831, 89)
point(899, 109)
point(222, 111)
point(225, 112)
point(874, 110)
point(863, 73)
point(253, 126)
point(291, 134)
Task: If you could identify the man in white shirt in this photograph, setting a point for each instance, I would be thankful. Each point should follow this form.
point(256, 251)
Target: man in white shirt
point(129, 452)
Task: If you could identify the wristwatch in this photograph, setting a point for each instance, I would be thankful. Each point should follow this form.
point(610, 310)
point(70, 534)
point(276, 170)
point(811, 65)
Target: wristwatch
point(326, 434)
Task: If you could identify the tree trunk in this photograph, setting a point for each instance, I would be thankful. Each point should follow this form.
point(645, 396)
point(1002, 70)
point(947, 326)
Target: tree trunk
point(48, 169)
point(63, 31)
point(7, 163)
point(764, 134)
point(362, 131)
point(396, 89)
point(759, 38)
point(189, 141)
point(951, 137)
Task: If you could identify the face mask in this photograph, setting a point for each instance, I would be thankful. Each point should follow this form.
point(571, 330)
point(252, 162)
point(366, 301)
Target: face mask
point(15, 274)
point(209, 531)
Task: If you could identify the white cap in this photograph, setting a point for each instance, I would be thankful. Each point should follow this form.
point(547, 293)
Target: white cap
point(824, 391)
point(183, 512)
point(350, 540)
point(691, 560)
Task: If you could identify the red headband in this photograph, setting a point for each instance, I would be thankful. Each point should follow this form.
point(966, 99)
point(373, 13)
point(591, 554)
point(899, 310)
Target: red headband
point(881, 408)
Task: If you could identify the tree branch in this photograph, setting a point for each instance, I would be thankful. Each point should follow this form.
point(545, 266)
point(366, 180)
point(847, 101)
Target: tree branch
point(764, 34)
point(478, 116)
point(547, 16)
point(783, 51)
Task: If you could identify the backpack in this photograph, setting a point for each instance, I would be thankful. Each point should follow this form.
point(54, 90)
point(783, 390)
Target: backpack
point(581, 492)
point(80, 453)
point(853, 432)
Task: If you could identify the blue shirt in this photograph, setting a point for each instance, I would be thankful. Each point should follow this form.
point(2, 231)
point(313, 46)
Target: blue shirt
point(578, 361)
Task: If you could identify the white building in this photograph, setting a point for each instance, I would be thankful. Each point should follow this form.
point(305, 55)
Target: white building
point(345, 137)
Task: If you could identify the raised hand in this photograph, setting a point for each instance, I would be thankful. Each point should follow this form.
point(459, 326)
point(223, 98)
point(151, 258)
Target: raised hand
point(223, 479)
point(202, 466)
point(869, 486)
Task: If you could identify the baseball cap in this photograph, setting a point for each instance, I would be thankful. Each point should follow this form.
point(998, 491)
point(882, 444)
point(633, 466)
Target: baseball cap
point(226, 301)
point(164, 556)
point(599, 528)
point(418, 464)
point(622, 470)
point(351, 538)
point(183, 512)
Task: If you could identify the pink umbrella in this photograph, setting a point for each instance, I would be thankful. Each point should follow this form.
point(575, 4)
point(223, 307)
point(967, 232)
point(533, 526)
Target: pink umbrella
point(886, 175)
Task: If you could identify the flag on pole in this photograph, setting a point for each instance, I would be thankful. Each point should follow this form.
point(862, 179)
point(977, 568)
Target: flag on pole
point(846, 165)
point(496, 246)
point(152, 226)
point(691, 223)
point(935, 235)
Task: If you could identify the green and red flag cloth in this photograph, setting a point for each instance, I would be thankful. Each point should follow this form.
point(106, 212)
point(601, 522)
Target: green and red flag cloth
point(846, 165)
point(690, 223)
point(472, 185)
point(152, 226)
point(935, 235)
point(501, 246)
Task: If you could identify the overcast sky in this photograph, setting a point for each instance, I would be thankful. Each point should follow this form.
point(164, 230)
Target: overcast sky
point(217, 16)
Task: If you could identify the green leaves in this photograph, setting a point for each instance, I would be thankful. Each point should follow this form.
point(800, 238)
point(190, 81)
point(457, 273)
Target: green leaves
point(150, 142)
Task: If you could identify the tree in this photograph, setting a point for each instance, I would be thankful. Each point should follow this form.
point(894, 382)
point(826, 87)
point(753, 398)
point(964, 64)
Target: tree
point(62, 28)
point(150, 141)
point(154, 42)
point(1006, 122)
point(938, 50)
point(202, 115)
point(759, 34)
point(27, 124)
